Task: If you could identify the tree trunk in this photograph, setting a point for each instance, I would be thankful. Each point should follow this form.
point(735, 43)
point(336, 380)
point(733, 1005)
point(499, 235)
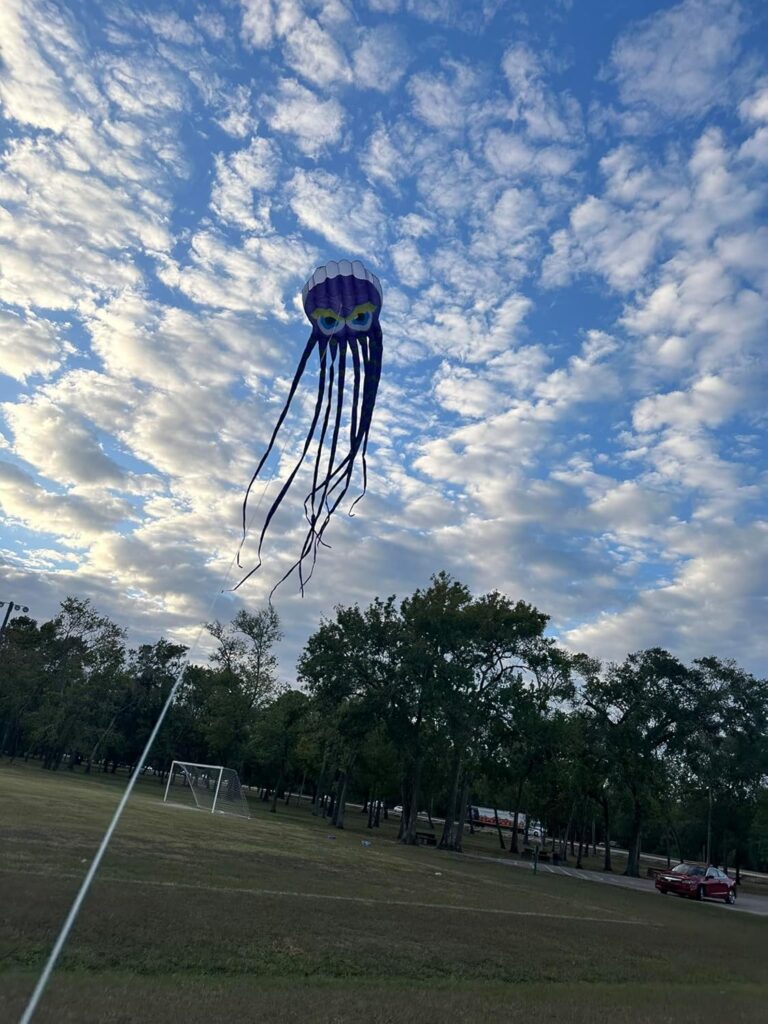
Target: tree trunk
point(607, 866)
point(513, 845)
point(678, 844)
point(633, 855)
point(409, 831)
point(273, 808)
point(498, 828)
point(447, 838)
point(568, 834)
point(582, 837)
point(320, 785)
point(459, 840)
point(341, 801)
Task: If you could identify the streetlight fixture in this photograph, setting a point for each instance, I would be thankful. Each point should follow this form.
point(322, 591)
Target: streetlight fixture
point(11, 608)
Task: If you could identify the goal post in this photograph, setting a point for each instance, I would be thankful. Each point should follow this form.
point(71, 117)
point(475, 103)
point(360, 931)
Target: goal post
point(212, 788)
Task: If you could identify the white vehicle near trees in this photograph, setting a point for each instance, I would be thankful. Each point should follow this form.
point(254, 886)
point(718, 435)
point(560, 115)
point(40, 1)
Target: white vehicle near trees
point(492, 817)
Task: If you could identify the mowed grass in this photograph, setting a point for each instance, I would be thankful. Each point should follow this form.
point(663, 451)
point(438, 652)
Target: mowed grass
point(199, 918)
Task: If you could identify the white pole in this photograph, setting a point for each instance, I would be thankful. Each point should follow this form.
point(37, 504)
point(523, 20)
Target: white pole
point(216, 794)
point(66, 928)
point(168, 784)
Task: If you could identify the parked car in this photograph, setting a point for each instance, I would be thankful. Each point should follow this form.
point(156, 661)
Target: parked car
point(697, 883)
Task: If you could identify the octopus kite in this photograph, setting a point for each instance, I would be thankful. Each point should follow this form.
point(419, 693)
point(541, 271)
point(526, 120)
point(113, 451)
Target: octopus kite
point(342, 302)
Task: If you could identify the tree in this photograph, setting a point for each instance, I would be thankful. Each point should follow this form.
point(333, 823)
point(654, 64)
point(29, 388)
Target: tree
point(83, 660)
point(276, 738)
point(641, 710)
point(348, 666)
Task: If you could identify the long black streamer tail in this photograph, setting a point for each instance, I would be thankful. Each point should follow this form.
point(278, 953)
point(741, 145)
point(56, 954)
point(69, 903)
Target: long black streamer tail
point(314, 537)
point(372, 358)
point(294, 385)
point(322, 348)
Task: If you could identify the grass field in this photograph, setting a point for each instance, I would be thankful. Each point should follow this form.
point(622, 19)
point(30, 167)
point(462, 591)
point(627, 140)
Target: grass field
point(197, 918)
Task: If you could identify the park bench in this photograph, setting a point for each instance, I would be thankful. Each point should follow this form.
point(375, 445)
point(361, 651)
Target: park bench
point(426, 839)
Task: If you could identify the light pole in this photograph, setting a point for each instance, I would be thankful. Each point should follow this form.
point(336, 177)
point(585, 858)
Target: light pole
point(11, 608)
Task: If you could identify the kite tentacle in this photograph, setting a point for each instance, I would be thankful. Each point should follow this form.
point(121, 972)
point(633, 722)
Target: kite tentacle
point(321, 442)
point(295, 383)
point(322, 348)
point(314, 538)
point(372, 356)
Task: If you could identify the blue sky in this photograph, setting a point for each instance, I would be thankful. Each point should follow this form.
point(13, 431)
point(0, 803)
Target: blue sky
point(566, 205)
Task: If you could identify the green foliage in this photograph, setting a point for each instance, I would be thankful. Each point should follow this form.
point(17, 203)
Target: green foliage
point(437, 701)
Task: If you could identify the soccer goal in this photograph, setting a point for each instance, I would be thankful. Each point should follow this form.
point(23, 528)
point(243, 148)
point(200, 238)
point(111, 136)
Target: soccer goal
point(206, 787)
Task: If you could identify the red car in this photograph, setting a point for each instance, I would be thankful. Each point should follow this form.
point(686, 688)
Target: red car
point(697, 883)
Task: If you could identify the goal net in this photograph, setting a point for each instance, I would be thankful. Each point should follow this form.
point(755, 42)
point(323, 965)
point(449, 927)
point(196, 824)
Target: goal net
point(206, 787)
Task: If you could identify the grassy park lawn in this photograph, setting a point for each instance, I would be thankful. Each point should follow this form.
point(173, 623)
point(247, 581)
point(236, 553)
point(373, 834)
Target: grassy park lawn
point(198, 918)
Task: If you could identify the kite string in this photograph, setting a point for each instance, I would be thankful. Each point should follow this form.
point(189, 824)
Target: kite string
point(74, 910)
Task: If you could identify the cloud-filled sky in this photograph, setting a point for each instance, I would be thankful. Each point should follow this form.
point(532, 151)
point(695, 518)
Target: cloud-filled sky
point(566, 205)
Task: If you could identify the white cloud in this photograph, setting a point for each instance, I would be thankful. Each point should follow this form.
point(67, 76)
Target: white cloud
point(252, 278)
point(309, 48)
point(314, 54)
point(238, 119)
point(44, 80)
point(316, 124)
point(443, 101)
point(258, 23)
point(709, 401)
point(30, 345)
point(75, 518)
point(678, 62)
point(703, 610)
point(380, 60)
point(546, 116)
point(244, 179)
point(755, 106)
point(409, 264)
point(64, 447)
point(172, 349)
point(349, 218)
point(454, 13)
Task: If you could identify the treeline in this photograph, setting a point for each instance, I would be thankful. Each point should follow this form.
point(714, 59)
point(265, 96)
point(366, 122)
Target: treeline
point(436, 703)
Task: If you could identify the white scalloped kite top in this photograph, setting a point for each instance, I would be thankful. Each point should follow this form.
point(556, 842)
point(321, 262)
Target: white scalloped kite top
point(345, 268)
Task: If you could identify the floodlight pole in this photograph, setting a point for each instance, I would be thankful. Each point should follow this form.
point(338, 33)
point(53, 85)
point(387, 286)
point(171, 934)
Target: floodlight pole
point(11, 608)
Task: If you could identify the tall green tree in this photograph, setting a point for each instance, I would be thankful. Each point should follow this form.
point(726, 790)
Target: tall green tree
point(641, 709)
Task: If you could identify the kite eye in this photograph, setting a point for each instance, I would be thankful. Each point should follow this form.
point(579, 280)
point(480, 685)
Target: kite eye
point(328, 321)
point(361, 317)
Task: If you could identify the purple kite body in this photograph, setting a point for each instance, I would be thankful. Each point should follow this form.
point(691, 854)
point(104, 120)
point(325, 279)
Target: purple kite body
point(342, 302)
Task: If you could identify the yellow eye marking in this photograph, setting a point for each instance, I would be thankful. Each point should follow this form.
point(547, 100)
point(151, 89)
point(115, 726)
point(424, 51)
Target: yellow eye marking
point(316, 314)
point(366, 307)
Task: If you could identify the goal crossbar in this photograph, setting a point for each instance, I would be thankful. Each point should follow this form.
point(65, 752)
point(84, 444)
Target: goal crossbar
point(216, 774)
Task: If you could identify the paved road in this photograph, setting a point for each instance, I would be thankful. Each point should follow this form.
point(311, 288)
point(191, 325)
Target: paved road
point(757, 875)
point(746, 902)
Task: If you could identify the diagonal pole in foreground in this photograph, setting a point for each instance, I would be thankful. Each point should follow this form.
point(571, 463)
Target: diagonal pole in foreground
point(74, 910)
